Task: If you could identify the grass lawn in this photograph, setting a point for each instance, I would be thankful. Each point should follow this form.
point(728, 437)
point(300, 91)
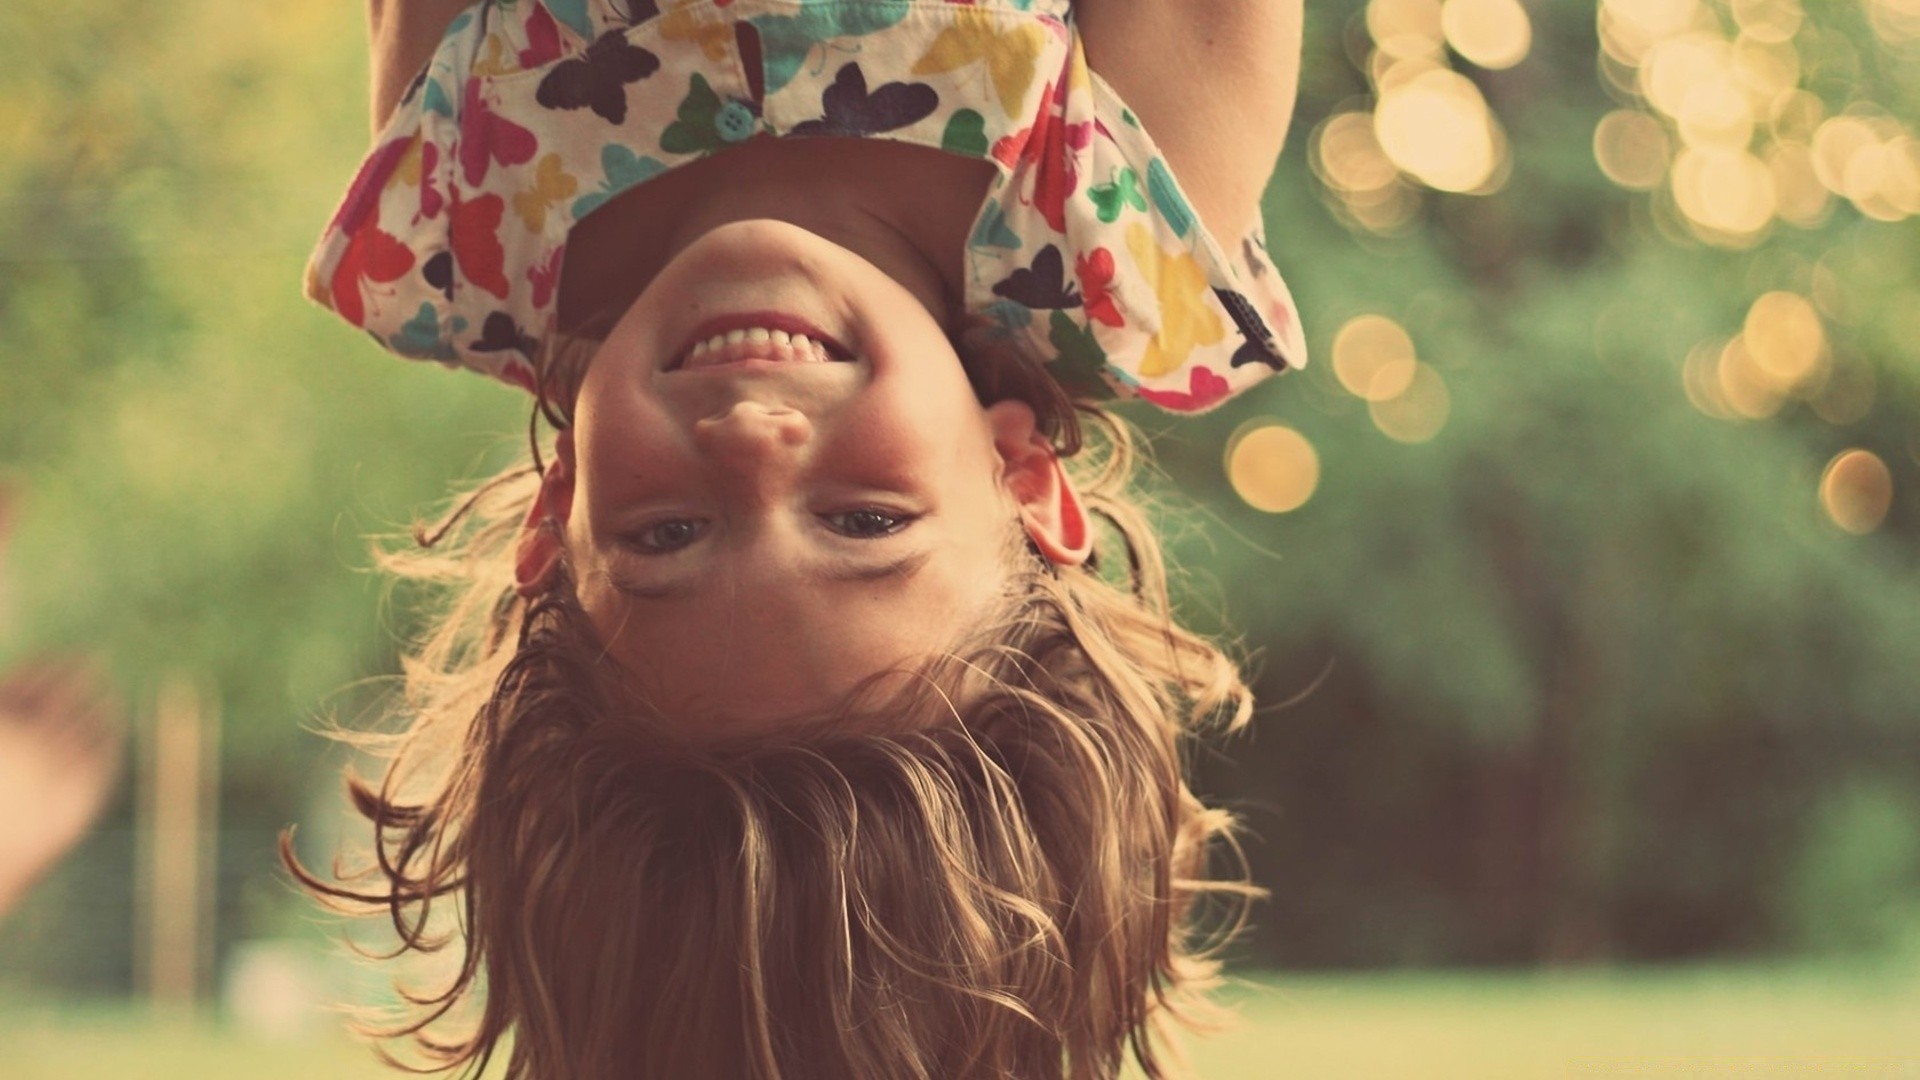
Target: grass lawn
point(1745, 1022)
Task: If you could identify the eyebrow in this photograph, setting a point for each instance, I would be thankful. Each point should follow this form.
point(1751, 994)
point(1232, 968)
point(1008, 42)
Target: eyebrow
point(901, 569)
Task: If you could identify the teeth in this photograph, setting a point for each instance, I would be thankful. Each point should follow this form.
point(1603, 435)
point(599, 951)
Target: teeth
point(807, 349)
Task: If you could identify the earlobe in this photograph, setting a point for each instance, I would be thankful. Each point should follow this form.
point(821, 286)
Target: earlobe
point(1050, 507)
point(536, 562)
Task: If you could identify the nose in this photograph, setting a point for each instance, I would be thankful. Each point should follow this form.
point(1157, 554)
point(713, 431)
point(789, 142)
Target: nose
point(747, 436)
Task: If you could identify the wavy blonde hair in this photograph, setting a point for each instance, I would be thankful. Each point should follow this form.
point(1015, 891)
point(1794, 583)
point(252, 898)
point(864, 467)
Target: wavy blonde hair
point(1012, 883)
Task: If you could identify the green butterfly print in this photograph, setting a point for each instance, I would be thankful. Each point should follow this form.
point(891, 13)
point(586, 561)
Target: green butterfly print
point(1166, 195)
point(990, 230)
point(420, 336)
point(573, 13)
point(1079, 364)
point(787, 40)
point(624, 169)
point(966, 134)
point(706, 123)
point(1122, 192)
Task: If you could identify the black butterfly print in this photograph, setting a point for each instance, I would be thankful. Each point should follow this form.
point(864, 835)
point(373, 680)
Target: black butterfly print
point(501, 334)
point(597, 79)
point(414, 87)
point(639, 11)
point(1259, 348)
point(851, 110)
point(439, 273)
point(1043, 286)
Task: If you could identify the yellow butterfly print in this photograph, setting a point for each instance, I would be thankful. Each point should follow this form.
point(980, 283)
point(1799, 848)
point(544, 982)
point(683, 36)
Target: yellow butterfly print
point(551, 185)
point(1010, 55)
point(1186, 320)
point(497, 59)
point(408, 170)
point(678, 23)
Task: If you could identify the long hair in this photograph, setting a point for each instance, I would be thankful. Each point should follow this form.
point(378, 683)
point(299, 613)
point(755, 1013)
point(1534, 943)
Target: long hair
point(995, 871)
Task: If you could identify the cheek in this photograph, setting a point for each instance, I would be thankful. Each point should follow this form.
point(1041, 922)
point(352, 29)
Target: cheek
point(620, 441)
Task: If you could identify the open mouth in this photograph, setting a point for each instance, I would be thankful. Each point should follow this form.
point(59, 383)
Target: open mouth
point(771, 337)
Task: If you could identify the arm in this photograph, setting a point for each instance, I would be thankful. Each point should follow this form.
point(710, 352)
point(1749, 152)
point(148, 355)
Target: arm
point(403, 35)
point(1213, 81)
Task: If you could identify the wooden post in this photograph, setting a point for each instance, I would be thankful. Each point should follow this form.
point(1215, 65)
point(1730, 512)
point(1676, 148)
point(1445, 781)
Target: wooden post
point(179, 845)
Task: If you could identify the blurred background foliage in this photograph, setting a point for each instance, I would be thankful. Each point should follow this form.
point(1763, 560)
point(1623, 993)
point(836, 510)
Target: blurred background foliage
point(1578, 570)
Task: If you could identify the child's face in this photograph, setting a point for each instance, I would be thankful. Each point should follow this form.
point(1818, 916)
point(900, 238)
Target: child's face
point(753, 537)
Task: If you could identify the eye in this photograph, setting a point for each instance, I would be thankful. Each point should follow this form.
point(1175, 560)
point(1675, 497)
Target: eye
point(666, 537)
point(867, 523)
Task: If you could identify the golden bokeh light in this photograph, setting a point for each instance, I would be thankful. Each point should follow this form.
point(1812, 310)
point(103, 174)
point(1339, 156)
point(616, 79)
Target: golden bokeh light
point(1785, 339)
point(1804, 200)
point(1746, 388)
point(1272, 467)
point(1715, 113)
point(1406, 28)
point(1726, 195)
point(1632, 148)
point(1629, 28)
point(1348, 157)
point(1493, 34)
point(1700, 376)
point(1900, 187)
point(1872, 160)
point(1386, 211)
point(1856, 491)
point(1373, 357)
point(1437, 128)
point(1418, 413)
point(1388, 72)
point(1676, 65)
point(1897, 22)
point(1795, 115)
point(1765, 70)
point(1768, 20)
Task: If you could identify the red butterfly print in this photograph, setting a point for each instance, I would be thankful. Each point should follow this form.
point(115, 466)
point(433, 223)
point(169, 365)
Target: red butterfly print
point(1095, 272)
point(543, 39)
point(431, 201)
point(371, 255)
point(1049, 144)
point(520, 375)
point(486, 137)
point(1204, 390)
point(545, 276)
point(474, 230)
point(364, 194)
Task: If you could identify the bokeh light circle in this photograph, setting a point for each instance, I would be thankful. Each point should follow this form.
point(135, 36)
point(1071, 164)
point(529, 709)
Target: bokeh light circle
point(1418, 413)
point(1785, 338)
point(1632, 148)
point(1272, 467)
point(1493, 34)
point(1438, 128)
point(1373, 357)
point(1856, 491)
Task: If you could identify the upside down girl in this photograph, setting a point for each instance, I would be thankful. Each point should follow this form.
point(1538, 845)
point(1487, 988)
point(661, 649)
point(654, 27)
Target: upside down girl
point(809, 703)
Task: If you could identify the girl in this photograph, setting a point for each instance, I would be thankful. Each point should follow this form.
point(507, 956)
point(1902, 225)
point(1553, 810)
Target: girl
point(785, 722)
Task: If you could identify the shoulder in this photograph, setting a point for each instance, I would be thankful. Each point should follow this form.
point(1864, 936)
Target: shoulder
point(1213, 81)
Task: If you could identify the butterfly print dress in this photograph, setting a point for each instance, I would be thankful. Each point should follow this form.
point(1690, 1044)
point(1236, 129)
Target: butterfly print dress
point(533, 113)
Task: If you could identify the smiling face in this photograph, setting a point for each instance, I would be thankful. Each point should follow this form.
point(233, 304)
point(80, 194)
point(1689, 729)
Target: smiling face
point(757, 527)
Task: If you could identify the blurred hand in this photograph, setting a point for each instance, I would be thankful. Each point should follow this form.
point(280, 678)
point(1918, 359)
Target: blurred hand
point(60, 751)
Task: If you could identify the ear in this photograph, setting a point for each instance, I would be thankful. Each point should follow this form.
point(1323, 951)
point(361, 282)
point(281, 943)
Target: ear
point(1050, 508)
point(543, 535)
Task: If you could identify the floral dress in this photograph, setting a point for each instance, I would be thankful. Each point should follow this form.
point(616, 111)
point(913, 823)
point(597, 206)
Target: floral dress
point(1085, 253)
